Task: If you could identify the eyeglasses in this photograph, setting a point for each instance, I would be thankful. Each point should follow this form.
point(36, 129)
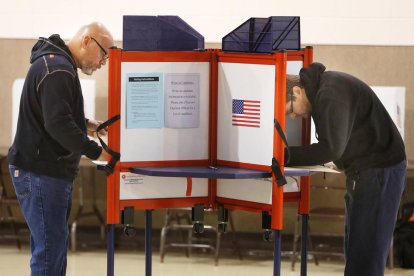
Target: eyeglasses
point(105, 56)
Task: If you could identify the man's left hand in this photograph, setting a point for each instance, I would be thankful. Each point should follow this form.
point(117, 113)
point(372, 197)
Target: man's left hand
point(92, 127)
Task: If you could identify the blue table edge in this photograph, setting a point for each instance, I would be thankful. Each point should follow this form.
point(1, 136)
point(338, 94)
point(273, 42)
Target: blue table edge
point(222, 172)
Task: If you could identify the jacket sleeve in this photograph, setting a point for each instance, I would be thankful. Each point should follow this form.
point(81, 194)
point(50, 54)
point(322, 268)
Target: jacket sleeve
point(57, 95)
point(336, 114)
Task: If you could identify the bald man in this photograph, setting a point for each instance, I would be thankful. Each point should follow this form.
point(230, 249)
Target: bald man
point(52, 135)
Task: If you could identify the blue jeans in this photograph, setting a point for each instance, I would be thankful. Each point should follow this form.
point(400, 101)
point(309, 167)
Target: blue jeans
point(45, 203)
point(372, 201)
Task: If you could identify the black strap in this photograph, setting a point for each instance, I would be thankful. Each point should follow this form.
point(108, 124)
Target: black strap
point(282, 135)
point(115, 156)
point(280, 178)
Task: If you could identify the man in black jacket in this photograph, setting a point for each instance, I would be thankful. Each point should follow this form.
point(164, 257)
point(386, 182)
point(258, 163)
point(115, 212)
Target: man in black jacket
point(354, 131)
point(52, 135)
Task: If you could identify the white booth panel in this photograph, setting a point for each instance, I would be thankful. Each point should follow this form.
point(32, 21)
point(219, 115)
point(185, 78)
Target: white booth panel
point(252, 142)
point(158, 142)
point(393, 98)
point(136, 186)
point(252, 190)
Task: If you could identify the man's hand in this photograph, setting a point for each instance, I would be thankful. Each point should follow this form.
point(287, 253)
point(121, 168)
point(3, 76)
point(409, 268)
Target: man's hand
point(93, 125)
point(103, 156)
point(331, 165)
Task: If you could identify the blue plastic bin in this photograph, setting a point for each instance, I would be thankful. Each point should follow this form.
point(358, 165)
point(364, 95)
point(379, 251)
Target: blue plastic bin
point(159, 33)
point(264, 35)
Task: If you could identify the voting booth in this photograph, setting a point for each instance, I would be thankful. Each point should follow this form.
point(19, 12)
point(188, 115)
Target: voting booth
point(197, 129)
point(198, 109)
point(203, 129)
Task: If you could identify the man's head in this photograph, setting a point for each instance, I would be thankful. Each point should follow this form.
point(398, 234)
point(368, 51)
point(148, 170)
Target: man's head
point(297, 103)
point(89, 47)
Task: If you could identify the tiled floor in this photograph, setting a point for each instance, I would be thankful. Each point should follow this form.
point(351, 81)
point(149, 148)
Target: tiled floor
point(16, 263)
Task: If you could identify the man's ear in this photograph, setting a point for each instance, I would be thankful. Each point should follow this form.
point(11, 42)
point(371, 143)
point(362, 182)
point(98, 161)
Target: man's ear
point(297, 91)
point(85, 40)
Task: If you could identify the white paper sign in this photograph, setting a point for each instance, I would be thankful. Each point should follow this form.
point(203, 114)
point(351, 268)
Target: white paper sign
point(182, 100)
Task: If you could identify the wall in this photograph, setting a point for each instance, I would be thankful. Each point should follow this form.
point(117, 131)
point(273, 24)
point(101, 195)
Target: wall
point(341, 22)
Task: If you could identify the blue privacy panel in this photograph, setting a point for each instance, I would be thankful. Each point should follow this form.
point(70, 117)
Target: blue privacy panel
point(264, 35)
point(159, 33)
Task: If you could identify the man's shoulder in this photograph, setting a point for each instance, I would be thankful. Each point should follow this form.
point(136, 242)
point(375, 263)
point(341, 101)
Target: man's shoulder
point(56, 63)
point(59, 63)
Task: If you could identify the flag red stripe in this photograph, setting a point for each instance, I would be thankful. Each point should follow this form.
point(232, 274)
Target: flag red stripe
point(246, 125)
point(246, 117)
point(246, 120)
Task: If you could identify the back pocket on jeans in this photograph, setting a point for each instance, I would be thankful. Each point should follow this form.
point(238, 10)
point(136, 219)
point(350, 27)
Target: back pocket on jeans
point(21, 181)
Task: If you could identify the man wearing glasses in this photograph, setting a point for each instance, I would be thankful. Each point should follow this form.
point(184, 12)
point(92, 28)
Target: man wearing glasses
point(354, 131)
point(52, 135)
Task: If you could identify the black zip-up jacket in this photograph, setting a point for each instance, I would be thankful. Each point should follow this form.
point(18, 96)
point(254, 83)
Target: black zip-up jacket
point(51, 130)
point(353, 127)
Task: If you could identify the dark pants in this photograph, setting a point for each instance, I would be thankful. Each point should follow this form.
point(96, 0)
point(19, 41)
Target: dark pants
point(372, 201)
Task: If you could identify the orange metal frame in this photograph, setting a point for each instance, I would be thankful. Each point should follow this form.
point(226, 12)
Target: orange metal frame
point(213, 56)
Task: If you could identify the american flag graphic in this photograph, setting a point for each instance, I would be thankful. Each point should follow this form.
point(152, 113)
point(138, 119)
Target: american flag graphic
point(246, 113)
